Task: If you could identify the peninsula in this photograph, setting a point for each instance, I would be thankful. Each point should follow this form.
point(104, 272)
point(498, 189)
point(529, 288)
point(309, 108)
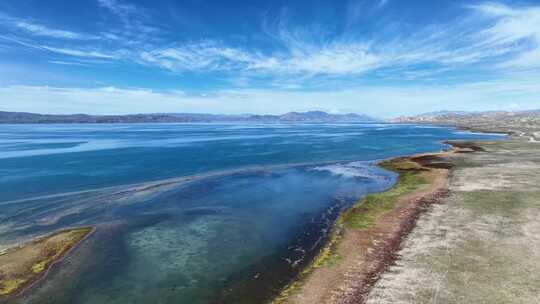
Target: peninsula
point(23, 265)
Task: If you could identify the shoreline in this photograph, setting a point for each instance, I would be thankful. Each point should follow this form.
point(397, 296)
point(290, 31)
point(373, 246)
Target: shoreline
point(376, 247)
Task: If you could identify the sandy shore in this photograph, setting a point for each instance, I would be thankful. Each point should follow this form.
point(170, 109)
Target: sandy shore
point(354, 259)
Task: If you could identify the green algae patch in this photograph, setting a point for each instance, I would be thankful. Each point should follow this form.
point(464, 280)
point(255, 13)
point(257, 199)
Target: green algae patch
point(365, 213)
point(20, 266)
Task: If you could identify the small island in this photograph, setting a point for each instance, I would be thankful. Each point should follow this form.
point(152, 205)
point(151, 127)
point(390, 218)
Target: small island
point(23, 265)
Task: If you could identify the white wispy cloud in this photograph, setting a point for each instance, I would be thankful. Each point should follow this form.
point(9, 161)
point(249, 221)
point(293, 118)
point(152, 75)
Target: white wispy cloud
point(198, 57)
point(491, 33)
point(40, 30)
point(80, 53)
point(508, 36)
point(72, 63)
point(335, 58)
point(513, 26)
point(117, 7)
point(311, 53)
point(489, 37)
point(499, 40)
point(137, 25)
point(37, 29)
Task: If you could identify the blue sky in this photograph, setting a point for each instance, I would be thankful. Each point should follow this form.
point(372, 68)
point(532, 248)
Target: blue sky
point(380, 57)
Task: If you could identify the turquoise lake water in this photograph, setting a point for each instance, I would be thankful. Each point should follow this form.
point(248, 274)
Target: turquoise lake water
point(190, 213)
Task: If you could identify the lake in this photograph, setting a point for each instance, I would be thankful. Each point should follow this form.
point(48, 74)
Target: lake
point(191, 213)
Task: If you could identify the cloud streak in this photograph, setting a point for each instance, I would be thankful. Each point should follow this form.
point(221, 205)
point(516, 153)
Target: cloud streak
point(519, 26)
point(493, 33)
point(36, 29)
point(332, 59)
point(490, 39)
point(137, 28)
point(40, 30)
point(80, 53)
point(117, 7)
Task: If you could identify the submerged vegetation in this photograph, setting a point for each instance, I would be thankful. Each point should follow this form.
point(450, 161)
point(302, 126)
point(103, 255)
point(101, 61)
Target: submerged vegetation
point(20, 266)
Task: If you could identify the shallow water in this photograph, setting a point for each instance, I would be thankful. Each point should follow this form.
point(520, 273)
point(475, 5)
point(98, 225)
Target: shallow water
point(195, 213)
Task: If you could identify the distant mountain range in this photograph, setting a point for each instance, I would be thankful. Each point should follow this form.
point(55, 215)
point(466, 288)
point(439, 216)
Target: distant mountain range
point(309, 117)
point(519, 122)
point(457, 117)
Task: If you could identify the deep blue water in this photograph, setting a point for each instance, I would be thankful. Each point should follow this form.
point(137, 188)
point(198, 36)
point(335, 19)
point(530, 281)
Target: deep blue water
point(190, 213)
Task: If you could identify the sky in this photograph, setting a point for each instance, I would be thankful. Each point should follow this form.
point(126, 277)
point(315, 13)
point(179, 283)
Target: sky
point(379, 57)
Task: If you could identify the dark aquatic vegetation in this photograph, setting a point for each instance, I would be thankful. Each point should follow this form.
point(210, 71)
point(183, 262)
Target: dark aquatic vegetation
point(201, 213)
